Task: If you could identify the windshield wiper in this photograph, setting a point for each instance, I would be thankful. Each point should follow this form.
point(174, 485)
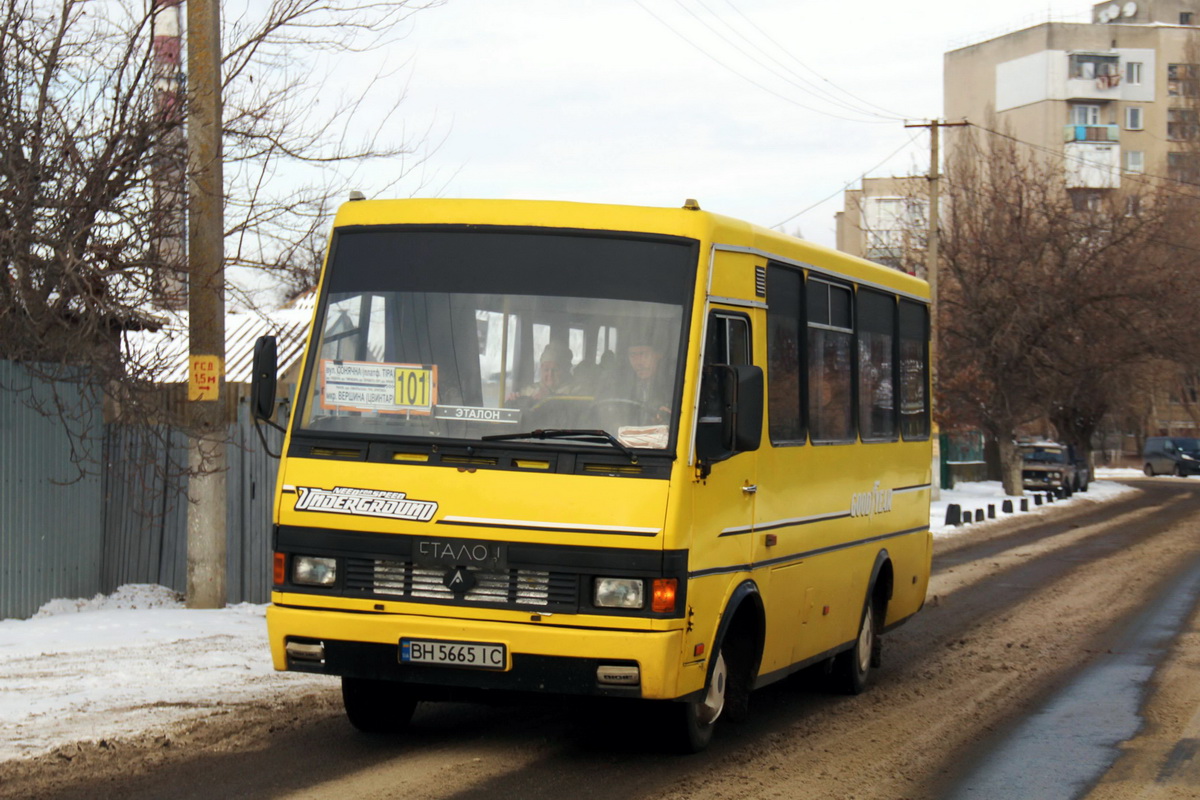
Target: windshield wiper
point(580, 434)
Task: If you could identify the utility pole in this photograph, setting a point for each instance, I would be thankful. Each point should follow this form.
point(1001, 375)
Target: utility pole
point(206, 311)
point(931, 269)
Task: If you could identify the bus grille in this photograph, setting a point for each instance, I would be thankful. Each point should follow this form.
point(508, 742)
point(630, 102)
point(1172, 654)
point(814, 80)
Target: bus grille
point(518, 588)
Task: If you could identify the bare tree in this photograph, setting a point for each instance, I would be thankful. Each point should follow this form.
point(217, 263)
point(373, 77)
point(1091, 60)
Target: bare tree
point(1046, 303)
point(82, 136)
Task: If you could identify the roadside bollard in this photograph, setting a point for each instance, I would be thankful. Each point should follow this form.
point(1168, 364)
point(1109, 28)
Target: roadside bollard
point(1024, 503)
point(954, 514)
point(1006, 507)
point(1049, 497)
point(991, 510)
point(1037, 499)
point(979, 515)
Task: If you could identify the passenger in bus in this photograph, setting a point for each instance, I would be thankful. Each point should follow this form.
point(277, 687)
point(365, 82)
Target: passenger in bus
point(554, 376)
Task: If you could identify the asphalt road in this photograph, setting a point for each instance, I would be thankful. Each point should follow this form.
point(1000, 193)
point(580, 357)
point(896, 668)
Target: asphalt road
point(1057, 656)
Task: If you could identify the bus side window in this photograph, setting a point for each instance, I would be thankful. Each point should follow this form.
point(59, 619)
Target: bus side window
point(914, 370)
point(785, 297)
point(731, 392)
point(876, 366)
point(830, 363)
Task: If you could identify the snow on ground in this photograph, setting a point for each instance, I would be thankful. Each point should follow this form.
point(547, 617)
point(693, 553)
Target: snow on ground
point(125, 664)
point(137, 660)
point(972, 497)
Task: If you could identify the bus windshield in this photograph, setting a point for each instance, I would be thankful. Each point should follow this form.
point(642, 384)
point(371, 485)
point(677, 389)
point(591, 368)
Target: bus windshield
point(491, 332)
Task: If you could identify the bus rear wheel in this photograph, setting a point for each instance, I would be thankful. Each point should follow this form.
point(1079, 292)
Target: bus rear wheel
point(377, 706)
point(852, 667)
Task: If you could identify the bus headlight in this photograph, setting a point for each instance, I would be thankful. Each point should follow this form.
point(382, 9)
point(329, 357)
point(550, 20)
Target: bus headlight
point(313, 571)
point(619, 593)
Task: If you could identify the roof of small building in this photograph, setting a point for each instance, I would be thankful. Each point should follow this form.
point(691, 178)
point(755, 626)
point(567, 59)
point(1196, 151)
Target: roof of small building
point(164, 352)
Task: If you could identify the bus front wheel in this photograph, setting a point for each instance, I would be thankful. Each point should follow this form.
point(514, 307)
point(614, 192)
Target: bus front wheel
point(693, 721)
point(377, 706)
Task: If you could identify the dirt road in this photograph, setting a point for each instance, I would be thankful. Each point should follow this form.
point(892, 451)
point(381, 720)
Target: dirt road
point(1017, 613)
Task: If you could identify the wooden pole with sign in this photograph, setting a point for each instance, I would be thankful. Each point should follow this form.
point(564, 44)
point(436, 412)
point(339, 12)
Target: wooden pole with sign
point(931, 275)
point(206, 543)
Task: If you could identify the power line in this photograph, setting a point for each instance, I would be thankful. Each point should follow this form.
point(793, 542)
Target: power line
point(751, 80)
point(793, 57)
point(847, 185)
point(802, 83)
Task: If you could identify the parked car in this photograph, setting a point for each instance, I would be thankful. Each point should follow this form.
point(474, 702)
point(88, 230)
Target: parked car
point(1171, 455)
point(1053, 467)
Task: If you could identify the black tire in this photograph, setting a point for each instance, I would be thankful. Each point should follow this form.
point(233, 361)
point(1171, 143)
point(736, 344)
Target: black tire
point(852, 668)
point(1180, 472)
point(1148, 470)
point(691, 724)
point(378, 707)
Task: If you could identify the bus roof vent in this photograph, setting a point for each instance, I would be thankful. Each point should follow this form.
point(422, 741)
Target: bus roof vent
point(355, 194)
point(691, 205)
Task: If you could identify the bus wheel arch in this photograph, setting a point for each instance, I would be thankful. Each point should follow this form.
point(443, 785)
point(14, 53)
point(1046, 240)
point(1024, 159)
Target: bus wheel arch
point(734, 658)
point(741, 635)
point(851, 667)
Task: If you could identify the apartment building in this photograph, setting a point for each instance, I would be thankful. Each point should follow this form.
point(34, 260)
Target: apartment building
point(885, 220)
point(1117, 97)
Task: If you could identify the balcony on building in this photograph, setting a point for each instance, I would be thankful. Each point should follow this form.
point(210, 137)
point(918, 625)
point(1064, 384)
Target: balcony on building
point(1092, 164)
point(1091, 133)
point(1093, 76)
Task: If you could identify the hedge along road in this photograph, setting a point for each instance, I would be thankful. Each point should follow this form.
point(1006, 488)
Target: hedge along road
point(1023, 616)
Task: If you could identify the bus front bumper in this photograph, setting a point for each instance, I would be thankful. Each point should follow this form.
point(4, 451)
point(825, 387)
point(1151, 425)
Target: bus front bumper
point(540, 658)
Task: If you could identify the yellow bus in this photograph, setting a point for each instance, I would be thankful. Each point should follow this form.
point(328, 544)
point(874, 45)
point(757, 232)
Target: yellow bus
point(622, 452)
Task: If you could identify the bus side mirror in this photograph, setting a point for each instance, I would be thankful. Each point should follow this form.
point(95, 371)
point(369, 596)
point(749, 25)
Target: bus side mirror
point(262, 382)
point(731, 400)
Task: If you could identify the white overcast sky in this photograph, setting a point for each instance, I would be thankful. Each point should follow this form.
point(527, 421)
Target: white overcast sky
point(759, 109)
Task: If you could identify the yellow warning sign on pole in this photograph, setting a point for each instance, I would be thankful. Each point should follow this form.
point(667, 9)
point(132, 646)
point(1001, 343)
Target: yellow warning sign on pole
point(204, 378)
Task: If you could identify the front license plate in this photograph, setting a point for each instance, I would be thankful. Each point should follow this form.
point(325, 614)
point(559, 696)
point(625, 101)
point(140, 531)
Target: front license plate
point(472, 655)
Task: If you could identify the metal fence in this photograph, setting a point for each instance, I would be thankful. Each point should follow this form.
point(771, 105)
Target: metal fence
point(146, 509)
point(50, 523)
point(74, 538)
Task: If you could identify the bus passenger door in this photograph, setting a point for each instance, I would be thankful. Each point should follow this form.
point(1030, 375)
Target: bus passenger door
point(723, 505)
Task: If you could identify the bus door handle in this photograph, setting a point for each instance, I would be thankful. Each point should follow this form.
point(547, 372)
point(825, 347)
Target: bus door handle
point(751, 489)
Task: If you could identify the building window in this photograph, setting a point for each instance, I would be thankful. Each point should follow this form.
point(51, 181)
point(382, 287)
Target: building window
point(1181, 80)
point(1133, 73)
point(1084, 200)
point(1183, 167)
point(1135, 161)
point(1082, 114)
point(1182, 124)
point(1133, 118)
point(1185, 17)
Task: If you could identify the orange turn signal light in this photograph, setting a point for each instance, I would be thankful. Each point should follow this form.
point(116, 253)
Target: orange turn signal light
point(663, 598)
point(280, 568)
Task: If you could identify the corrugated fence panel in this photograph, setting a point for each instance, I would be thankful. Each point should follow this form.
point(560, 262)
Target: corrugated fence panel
point(146, 509)
point(144, 500)
point(251, 492)
point(51, 516)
